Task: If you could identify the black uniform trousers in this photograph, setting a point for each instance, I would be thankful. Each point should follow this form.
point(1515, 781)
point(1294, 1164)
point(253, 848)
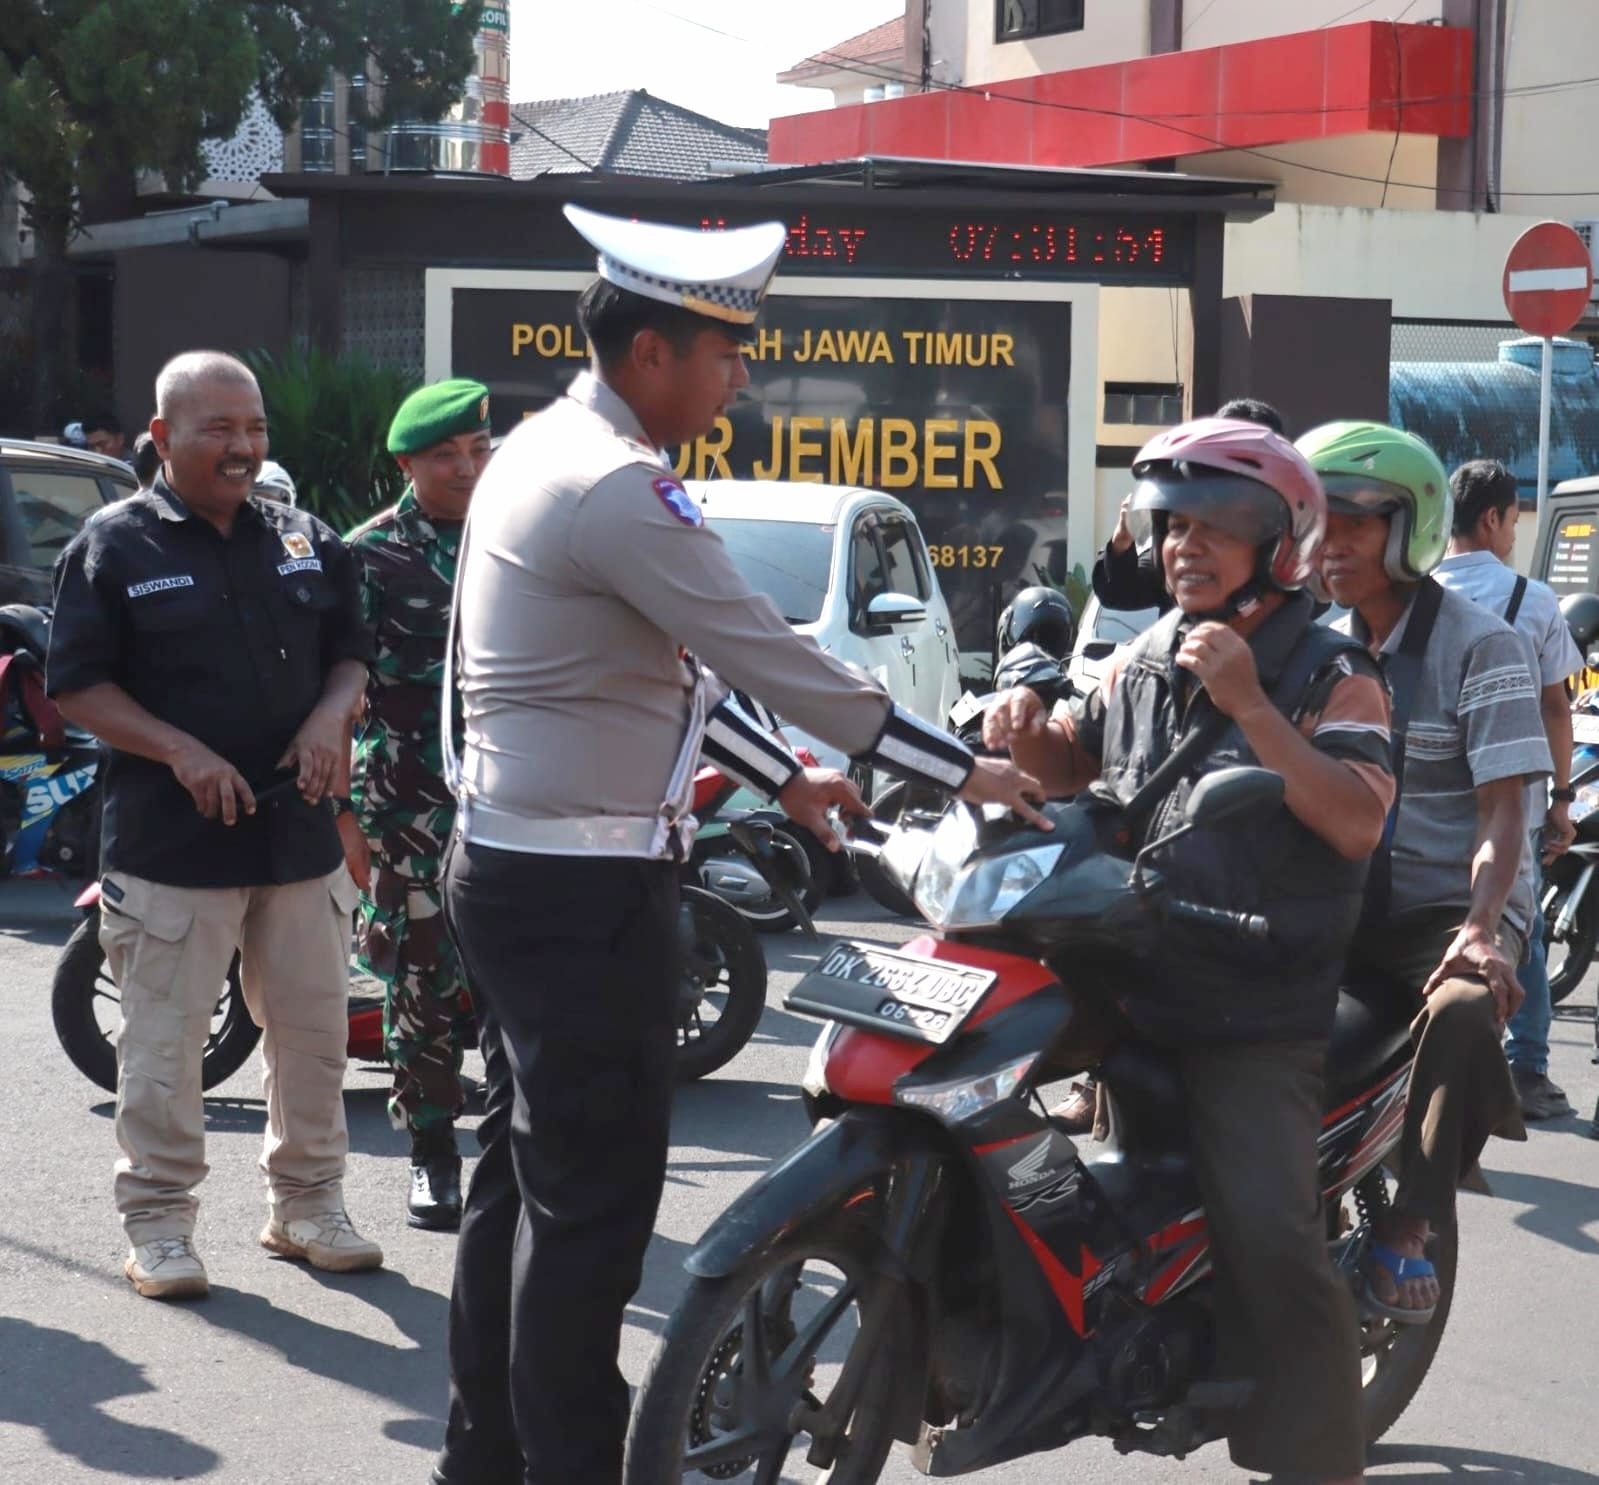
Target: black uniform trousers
point(572, 963)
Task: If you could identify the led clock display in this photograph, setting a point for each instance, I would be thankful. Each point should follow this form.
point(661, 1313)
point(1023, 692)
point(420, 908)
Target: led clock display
point(1000, 245)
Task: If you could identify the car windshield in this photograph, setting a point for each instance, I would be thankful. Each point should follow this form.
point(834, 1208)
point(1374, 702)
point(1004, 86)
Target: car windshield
point(789, 561)
point(52, 506)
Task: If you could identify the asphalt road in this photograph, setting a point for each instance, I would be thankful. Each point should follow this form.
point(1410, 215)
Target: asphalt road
point(294, 1378)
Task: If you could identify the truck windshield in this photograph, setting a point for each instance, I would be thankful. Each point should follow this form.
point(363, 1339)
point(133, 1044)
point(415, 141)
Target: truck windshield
point(789, 561)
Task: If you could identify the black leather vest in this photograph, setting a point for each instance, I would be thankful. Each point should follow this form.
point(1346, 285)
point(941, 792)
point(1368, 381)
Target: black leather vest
point(1202, 984)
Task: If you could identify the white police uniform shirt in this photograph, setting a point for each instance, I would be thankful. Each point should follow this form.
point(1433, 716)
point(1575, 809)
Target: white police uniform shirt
point(587, 572)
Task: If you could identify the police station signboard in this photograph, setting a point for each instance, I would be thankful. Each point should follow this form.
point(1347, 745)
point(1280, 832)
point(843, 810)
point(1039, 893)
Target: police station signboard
point(953, 397)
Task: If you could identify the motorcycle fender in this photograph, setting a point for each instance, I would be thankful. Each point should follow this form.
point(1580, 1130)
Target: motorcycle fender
point(814, 1181)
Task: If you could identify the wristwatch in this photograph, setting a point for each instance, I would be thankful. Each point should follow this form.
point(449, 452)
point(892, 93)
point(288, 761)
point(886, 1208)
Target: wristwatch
point(1563, 796)
point(342, 805)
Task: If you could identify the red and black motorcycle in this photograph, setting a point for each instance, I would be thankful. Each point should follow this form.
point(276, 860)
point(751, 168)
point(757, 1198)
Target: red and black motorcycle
point(938, 1264)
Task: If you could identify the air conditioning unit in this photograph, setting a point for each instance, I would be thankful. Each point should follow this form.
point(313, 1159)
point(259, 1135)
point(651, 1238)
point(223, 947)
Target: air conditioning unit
point(1588, 231)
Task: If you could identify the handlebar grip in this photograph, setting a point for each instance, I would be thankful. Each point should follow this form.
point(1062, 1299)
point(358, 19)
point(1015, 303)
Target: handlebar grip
point(1245, 925)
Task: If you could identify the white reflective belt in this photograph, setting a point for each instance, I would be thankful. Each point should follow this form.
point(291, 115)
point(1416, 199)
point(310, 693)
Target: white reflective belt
point(452, 763)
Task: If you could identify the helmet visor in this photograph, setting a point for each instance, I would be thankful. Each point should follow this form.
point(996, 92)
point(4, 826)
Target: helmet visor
point(1360, 495)
point(1243, 508)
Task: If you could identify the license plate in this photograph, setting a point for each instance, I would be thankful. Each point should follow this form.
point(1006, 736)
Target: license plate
point(1585, 727)
point(922, 1000)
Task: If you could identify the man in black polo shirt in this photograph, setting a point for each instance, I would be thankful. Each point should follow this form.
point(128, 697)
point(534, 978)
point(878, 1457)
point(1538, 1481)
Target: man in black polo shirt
point(214, 643)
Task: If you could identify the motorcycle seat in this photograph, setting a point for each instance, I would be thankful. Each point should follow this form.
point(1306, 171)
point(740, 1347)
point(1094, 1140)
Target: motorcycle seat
point(1370, 1036)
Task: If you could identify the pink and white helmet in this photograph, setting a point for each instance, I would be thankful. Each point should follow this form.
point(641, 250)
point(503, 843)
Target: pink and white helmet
point(1245, 479)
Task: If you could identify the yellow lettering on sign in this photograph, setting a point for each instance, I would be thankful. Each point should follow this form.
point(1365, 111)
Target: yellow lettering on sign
point(521, 338)
point(709, 451)
point(851, 456)
point(1586, 529)
point(899, 466)
point(800, 447)
point(982, 446)
point(937, 454)
point(879, 453)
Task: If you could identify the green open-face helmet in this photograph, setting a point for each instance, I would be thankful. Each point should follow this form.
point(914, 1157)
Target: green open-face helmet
point(1372, 469)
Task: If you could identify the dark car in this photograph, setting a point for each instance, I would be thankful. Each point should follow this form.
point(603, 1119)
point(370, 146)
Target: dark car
point(47, 492)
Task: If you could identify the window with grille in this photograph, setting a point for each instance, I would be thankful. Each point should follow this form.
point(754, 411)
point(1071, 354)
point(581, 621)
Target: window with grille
point(1147, 404)
point(1016, 20)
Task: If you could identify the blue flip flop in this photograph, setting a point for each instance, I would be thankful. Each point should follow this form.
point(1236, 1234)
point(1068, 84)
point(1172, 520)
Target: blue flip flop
point(1399, 1269)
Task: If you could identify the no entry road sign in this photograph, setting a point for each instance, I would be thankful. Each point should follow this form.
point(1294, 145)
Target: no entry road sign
point(1548, 279)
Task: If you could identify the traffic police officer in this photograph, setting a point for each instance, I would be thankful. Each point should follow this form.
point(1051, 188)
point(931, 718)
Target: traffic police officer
point(213, 641)
point(402, 810)
point(586, 569)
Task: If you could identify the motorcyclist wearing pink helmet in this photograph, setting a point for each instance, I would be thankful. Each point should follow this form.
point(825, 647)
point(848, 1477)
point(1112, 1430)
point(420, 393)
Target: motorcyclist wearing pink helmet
point(1239, 673)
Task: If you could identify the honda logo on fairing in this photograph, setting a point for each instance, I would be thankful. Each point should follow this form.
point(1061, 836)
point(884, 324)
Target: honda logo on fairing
point(1031, 1166)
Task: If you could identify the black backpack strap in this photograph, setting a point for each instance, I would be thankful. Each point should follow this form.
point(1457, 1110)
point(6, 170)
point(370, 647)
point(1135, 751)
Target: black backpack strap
point(1514, 606)
point(1403, 670)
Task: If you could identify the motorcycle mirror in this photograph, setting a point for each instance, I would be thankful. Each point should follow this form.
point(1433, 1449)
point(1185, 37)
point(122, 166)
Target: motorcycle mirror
point(1230, 792)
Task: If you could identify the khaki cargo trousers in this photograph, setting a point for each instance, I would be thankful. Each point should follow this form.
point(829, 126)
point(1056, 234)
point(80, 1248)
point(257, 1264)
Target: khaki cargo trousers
point(168, 949)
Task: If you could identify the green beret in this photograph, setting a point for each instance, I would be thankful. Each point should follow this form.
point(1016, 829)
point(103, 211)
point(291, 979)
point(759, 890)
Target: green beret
point(432, 414)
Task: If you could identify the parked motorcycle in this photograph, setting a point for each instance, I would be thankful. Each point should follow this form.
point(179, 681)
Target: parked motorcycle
point(721, 996)
point(1570, 906)
point(49, 790)
point(755, 859)
point(937, 1264)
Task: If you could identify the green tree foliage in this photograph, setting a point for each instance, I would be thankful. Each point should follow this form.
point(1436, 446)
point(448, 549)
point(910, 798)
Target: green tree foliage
point(94, 91)
point(328, 422)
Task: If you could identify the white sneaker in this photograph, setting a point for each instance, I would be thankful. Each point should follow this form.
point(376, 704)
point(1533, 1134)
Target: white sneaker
point(167, 1268)
point(327, 1240)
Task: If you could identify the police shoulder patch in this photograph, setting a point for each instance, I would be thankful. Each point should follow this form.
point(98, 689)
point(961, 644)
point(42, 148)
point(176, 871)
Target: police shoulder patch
point(676, 499)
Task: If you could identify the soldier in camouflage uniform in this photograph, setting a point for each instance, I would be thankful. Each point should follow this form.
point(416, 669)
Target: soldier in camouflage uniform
point(400, 804)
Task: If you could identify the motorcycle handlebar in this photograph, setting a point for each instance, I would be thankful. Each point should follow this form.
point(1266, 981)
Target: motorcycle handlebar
point(1245, 925)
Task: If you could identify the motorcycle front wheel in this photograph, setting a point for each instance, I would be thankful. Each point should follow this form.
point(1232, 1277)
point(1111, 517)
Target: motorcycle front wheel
point(87, 1010)
point(1568, 957)
point(748, 1363)
point(723, 987)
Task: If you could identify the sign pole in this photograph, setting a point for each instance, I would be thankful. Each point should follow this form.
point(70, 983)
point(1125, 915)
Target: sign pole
point(1545, 395)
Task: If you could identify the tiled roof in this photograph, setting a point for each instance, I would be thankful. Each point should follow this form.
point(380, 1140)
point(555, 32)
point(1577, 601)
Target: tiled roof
point(882, 44)
point(630, 133)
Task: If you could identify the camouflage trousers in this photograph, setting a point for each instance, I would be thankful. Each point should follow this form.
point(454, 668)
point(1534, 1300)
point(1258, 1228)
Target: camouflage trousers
point(427, 1017)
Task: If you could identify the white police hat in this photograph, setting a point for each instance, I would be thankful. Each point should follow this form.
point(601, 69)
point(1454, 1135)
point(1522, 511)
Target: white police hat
point(723, 275)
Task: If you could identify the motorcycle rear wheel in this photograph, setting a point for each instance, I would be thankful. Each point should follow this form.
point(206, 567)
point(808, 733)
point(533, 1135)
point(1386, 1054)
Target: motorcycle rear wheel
point(697, 1410)
point(81, 980)
point(724, 972)
point(1395, 1359)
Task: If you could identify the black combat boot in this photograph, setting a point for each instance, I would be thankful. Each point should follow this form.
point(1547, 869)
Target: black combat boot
point(435, 1201)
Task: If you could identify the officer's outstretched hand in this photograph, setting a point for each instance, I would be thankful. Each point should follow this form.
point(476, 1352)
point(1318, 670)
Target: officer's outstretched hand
point(315, 750)
point(811, 793)
point(996, 781)
point(218, 789)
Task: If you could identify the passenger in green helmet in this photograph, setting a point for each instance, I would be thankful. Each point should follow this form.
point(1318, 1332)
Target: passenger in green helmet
point(1449, 904)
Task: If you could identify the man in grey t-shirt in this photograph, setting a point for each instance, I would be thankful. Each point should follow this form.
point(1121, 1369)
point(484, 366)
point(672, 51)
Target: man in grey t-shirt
point(1448, 914)
point(1487, 504)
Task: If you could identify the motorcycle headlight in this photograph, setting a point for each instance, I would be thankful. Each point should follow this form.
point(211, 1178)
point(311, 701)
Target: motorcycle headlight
point(968, 1097)
point(953, 842)
point(989, 889)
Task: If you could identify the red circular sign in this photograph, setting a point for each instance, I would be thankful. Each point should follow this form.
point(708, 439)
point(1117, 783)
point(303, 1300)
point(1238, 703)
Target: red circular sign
point(1548, 279)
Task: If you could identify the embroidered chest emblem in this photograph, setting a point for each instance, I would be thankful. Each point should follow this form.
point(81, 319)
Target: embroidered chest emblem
point(297, 545)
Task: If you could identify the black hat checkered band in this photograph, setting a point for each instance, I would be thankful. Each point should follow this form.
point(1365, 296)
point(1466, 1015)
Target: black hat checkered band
point(720, 301)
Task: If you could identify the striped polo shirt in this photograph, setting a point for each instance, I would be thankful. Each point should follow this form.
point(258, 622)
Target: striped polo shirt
point(1474, 720)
